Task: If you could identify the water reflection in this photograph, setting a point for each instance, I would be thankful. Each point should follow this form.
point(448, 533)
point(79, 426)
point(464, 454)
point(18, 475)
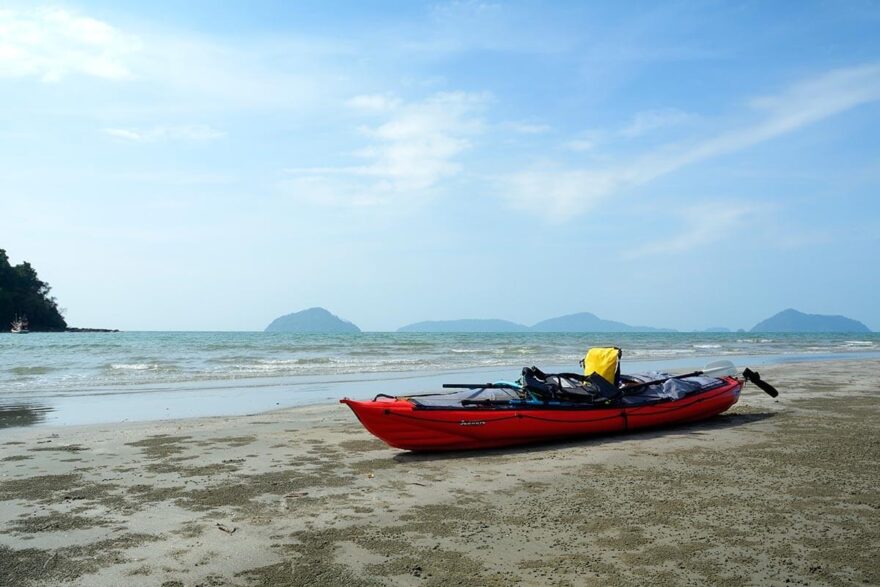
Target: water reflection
point(16, 415)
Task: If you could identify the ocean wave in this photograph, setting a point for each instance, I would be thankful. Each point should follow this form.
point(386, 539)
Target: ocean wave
point(135, 366)
point(167, 358)
point(297, 361)
point(658, 353)
point(24, 371)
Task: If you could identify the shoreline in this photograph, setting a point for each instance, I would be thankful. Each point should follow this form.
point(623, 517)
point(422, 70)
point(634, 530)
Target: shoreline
point(235, 397)
point(773, 491)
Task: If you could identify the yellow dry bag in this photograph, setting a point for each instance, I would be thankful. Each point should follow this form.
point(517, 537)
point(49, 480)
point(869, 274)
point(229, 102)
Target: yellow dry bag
point(605, 362)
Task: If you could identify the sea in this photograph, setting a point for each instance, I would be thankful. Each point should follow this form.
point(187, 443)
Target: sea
point(90, 378)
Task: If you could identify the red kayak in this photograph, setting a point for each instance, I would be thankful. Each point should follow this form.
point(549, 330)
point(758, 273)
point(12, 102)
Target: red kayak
point(405, 423)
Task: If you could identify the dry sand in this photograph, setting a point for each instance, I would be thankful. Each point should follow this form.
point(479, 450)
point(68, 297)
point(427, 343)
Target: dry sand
point(773, 492)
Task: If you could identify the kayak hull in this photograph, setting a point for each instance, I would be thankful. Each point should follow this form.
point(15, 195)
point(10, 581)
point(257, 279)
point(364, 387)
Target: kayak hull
point(403, 425)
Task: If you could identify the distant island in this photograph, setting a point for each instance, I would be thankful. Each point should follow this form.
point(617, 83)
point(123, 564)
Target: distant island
point(793, 321)
point(786, 321)
point(587, 322)
point(581, 322)
point(315, 320)
point(464, 326)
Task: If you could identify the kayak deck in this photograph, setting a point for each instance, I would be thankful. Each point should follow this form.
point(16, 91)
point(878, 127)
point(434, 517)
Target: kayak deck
point(402, 424)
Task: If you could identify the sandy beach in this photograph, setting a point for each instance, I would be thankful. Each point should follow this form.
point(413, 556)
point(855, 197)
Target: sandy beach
point(774, 492)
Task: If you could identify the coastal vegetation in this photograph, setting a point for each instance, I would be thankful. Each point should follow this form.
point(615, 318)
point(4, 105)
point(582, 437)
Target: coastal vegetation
point(23, 294)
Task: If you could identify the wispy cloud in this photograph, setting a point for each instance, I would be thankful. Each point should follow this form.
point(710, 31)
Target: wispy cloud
point(527, 128)
point(557, 193)
point(701, 225)
point(188, 132)
point(651, 120)
point(563, 192)
point(53, 43)
point(176, 71)
point(379, 103)
point(580, 145)
point(642, 124)
point(415, 148)
point(204, 74)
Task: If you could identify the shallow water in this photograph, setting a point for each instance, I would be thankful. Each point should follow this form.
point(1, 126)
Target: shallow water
point(71, 378)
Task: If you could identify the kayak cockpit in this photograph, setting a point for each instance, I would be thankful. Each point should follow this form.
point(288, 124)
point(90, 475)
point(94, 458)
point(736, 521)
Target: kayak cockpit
point(500, 396)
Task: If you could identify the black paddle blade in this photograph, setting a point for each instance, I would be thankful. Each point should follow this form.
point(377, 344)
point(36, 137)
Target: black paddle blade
point(755, 377)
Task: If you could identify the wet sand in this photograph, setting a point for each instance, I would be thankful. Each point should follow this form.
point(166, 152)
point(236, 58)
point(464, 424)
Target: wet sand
point(773, 492)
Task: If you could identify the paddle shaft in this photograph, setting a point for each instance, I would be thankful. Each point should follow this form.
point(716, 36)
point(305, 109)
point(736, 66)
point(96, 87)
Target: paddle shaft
point(748, 375)
point(477, 386)
point(647, 383)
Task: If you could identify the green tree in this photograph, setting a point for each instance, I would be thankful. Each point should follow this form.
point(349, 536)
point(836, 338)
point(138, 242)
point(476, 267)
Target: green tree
point(23, 294)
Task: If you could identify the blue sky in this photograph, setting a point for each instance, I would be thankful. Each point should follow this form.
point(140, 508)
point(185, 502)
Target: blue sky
point(195, 166)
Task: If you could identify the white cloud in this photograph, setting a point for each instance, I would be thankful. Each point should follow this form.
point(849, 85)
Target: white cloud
point(374, 103)
point(173, 72)
point(412, 151)
point(527, 128)
point(701, 225)
point(641, 124)
point(205, 75)
point(564, 192)
point(580, 145)
point(651, 120)
point(53, 43)
point(555, 192)
point(187, 133)
point(465, 8)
